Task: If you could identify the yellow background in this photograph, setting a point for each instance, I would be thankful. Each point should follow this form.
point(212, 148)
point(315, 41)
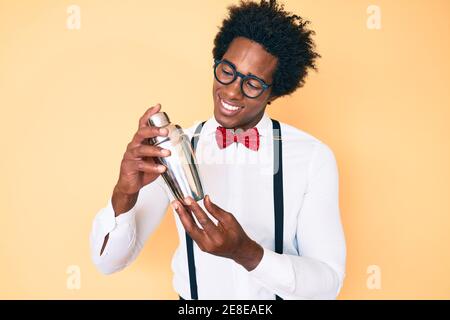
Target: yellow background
point(70, 101)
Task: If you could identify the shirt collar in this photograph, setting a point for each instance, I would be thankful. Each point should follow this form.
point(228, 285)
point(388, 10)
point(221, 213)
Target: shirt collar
point(264, 126)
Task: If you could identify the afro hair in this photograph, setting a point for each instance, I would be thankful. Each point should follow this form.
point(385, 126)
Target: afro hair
point(284, 35)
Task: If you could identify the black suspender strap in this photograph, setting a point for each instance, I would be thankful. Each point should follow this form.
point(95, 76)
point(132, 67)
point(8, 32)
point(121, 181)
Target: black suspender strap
point(191, 265)
point(189, 241)
point(277, 199)
point(278, 187)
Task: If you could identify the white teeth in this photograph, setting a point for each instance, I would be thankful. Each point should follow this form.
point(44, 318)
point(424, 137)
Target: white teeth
point(228, 107)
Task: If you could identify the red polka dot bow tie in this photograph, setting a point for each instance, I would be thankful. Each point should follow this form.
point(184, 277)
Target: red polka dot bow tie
point(249, 138)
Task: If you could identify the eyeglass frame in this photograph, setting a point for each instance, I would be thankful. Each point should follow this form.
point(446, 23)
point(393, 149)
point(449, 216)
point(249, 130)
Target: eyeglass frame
point(243, 77)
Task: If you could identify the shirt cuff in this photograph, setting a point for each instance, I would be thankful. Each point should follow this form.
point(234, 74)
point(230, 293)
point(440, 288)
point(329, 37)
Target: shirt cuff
point(109, 221)
point(123, 218)
point(275, 271)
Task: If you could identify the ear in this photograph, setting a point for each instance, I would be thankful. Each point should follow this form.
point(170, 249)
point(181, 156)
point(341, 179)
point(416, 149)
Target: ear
point(271, 99)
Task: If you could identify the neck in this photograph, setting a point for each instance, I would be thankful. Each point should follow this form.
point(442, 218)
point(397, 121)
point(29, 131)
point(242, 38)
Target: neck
point(252, 123)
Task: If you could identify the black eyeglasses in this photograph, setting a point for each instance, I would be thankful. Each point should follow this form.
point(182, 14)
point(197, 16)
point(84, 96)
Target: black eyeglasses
point(251, 86)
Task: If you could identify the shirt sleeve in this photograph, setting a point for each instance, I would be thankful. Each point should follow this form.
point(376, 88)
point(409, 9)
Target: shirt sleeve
point(319, 270)
point(129, 231)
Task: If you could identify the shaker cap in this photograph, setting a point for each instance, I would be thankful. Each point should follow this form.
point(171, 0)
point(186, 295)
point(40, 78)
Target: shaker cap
point(159, 119)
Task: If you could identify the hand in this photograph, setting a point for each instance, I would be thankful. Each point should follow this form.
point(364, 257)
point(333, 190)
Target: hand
point(139, 166)
point(226, 239)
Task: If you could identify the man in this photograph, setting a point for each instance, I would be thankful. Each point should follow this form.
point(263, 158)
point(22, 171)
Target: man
point(269, 227)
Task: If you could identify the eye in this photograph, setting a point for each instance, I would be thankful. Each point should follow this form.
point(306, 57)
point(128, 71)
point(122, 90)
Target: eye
point(226, 70)
point(228, 73)
point(252, 84)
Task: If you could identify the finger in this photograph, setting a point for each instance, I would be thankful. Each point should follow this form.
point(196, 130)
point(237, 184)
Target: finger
point(150, 167)
point(150, 111)
point(143, 150)
point(217, 212)
point(147, 132)
point(132, 166)
point(201, 216)
point(188, 221)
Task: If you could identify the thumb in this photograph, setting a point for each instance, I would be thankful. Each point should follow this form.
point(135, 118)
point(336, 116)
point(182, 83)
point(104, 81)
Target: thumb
point(212, 208)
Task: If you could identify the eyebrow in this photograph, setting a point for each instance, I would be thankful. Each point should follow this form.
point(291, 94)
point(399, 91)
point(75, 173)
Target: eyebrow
point(248, 74)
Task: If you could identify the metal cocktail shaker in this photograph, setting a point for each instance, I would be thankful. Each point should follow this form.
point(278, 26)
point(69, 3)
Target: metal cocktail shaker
point(182, 175)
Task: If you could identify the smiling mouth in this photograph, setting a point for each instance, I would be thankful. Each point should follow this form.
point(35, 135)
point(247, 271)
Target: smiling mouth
point(229, 108)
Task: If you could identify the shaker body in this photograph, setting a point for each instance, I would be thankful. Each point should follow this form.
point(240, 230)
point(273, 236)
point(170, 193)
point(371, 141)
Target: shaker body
point(182, 174)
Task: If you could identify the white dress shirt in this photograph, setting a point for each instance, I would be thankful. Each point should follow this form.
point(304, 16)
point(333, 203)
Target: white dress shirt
point(240, 181)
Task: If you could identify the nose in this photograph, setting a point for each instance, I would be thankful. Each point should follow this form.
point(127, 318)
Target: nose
point(233, 90)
